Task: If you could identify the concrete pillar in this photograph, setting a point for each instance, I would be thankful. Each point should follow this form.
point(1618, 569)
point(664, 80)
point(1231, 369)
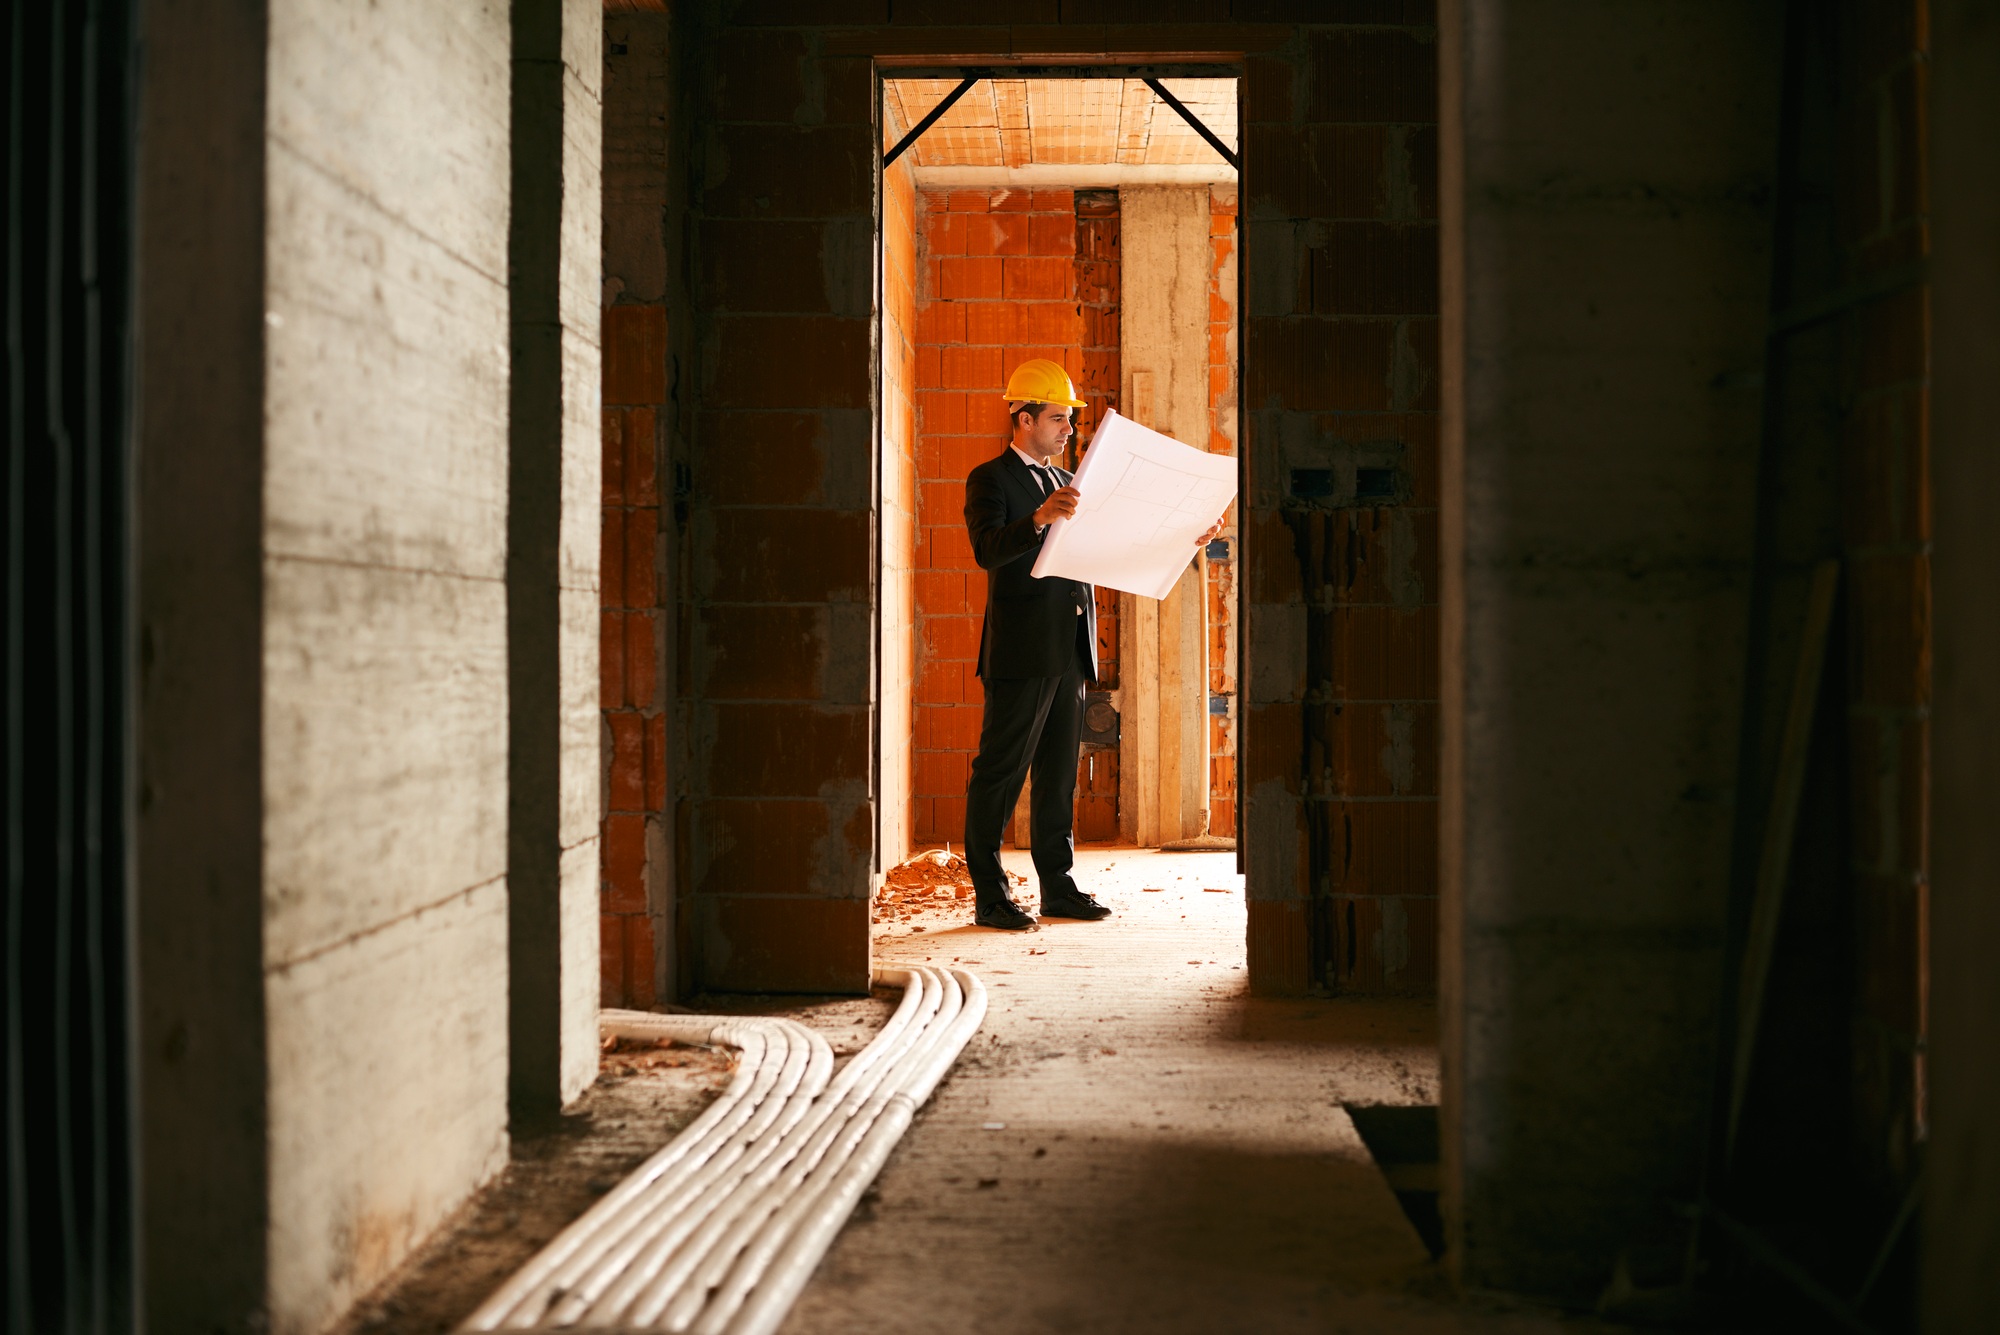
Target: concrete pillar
point(198, 841)
point(1163, 341)
point(1603, 178)
point(1961, 1228)
point(324, 739)
point(554, 497)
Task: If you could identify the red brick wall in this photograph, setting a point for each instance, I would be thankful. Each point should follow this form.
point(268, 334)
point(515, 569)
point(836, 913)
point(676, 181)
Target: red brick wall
point(998, 287)
point(1098, 278)
point(635, 722)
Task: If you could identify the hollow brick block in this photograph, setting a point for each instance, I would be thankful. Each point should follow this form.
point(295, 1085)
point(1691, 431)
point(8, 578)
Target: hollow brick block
point(638, 971)
point(970, 278)
point(611, 558)
point(611, 660)
point(611, 959)
point(785, 749)
point(1277, 949)
point(626, 790)
point(757, 944)
point(759, 846)
point(768, 458)
point(655, 796)
point(789, 361)
point(789, 556)
point(635, 354)
point(624, 863)
point(762, 652)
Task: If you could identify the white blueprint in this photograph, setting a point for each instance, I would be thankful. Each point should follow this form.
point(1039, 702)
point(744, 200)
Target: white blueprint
point(1142, 500)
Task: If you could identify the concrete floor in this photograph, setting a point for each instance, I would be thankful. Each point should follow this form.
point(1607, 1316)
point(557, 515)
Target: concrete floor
point(1133, 1144)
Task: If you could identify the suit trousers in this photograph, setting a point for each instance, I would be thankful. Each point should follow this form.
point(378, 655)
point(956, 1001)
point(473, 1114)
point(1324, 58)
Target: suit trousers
point(1030, 724)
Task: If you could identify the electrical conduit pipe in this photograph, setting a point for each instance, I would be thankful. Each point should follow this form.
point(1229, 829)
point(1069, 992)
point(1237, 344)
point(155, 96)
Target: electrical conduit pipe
point(720, 1230)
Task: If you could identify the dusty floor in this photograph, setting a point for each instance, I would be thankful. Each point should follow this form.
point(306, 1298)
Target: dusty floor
point(643, 1097)
point(1130, 1144)
point(1133, 1144)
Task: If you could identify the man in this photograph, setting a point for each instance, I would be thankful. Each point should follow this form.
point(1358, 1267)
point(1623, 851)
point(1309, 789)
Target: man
point(1037, 652)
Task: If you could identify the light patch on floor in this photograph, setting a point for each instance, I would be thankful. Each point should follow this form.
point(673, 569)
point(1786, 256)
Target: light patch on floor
point(1133, 1143)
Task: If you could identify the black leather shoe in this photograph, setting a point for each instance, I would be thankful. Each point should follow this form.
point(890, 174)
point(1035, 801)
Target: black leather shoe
point(1006, 916)
point(1073, 904)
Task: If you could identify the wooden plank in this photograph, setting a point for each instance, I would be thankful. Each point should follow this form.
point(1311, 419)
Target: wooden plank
point(1774, 864)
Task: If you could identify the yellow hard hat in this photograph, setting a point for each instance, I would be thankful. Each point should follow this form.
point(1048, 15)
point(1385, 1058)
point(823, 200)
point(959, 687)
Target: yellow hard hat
point(1042, 381)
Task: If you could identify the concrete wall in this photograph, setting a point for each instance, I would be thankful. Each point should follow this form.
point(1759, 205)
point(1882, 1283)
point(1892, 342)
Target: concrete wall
point(1961, 1229)
point(556, 792)
point(323, 877)
point(198, 543)
point(385, 651)
point(1605, 175)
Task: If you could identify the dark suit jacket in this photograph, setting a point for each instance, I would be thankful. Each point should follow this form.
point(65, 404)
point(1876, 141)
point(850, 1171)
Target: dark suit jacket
point(1031, 627)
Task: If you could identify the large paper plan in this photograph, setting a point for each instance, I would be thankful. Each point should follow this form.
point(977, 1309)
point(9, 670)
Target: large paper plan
point(1142, 500)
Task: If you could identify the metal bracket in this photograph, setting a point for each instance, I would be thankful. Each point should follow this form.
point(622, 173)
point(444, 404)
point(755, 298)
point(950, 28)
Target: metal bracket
point(1192, 119)
point(916, 131)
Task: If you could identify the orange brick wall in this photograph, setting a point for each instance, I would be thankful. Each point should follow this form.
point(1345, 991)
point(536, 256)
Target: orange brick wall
point(1222, 573)
point(997, 286)
point(635, 722)
point(1098, 278)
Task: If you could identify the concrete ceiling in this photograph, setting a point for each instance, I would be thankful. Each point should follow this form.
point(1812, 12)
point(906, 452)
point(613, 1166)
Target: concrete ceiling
point(1063, 131)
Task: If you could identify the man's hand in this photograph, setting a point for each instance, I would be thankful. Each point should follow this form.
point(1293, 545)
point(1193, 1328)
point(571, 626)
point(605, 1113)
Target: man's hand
point(1061, 504)
point(1213, 531)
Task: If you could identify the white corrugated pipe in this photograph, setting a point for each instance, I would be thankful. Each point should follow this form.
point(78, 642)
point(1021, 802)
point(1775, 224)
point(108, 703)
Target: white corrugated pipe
point(719, 1231)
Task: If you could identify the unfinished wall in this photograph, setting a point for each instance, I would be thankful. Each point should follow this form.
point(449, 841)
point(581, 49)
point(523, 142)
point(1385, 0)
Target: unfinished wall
point(1886, 532)
point(329, 405)
point(1221, 565)
point(1337, 764)
point(898, 514)
point(1960, 1230)
point(997, 287)
point(1606, 173)
point(779, 826)
point(385, 652)
point(555, 786)
point(635, 885)
point(1099, 282)
point(201, 1057)
point(1337, 114)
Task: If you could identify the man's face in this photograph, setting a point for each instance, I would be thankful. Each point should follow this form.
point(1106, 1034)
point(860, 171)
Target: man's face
point(1049, 433)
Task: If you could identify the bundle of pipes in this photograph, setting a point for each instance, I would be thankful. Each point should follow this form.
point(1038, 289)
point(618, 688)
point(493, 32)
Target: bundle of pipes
point(719, 1231)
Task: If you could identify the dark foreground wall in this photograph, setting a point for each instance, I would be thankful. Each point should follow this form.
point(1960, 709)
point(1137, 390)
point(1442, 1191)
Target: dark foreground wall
point(1606, 177)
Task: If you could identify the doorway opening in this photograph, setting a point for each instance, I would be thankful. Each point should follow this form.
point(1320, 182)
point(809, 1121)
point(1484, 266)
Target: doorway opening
point(1082, 217)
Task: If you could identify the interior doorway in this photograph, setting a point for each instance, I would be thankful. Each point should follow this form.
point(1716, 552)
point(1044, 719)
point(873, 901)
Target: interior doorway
point(1088, 217)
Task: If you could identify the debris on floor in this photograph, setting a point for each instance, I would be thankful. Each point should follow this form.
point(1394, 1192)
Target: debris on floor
point(934, 880)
